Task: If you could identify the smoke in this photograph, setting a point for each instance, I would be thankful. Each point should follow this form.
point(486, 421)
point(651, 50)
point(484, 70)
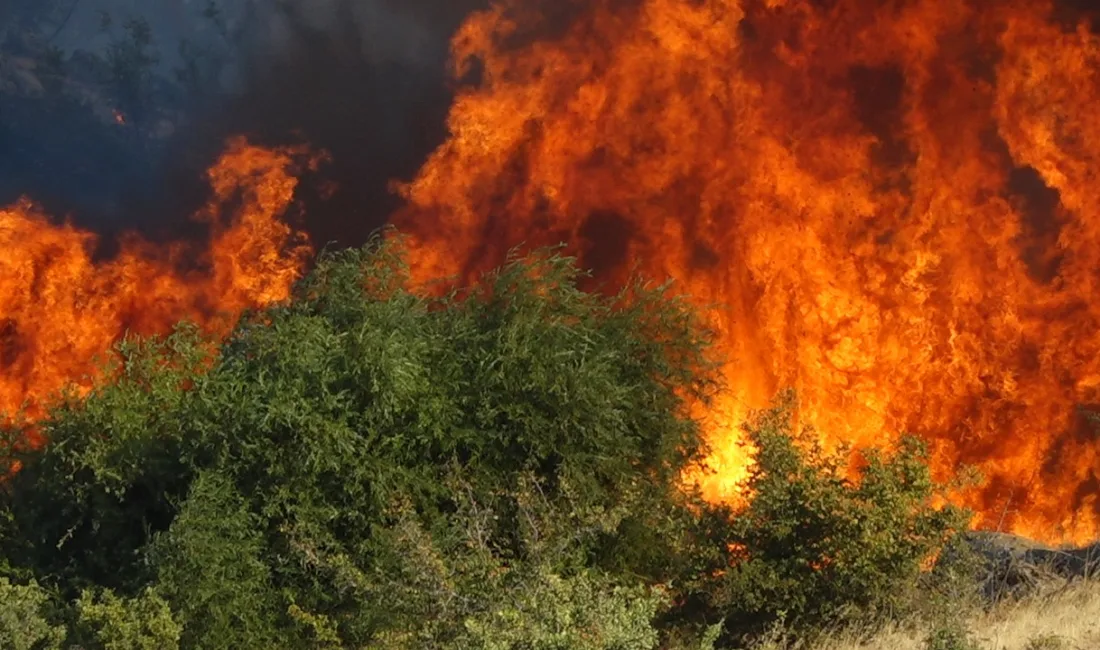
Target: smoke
point(364, 80)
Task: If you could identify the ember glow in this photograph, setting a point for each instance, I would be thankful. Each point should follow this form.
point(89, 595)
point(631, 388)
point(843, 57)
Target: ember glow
point(60, 310)
point(893, 207)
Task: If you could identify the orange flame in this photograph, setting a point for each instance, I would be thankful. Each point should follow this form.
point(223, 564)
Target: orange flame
point(895, 206)
point(60, 310)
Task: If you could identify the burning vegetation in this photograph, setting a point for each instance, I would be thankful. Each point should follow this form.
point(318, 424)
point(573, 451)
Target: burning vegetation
point(890, 207)
point(62, 310)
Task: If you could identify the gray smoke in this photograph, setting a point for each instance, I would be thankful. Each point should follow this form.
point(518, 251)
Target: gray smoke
point(387, 30)
point(365, 80)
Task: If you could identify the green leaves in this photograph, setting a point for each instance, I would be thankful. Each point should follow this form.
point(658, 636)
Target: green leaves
point(366, 461)
point(819, 546)
point(367, 466)
point(25, 618)
point(108, 622)
point(210, 563)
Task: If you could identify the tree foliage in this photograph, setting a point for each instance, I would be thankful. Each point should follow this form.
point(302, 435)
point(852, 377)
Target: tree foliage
point(25, 618)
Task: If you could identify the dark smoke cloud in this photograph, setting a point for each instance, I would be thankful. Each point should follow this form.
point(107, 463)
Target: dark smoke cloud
point(364, 80)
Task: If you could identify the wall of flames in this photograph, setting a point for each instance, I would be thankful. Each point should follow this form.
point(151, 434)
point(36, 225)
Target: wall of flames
point(895, 207)
point(890, 206)
point(60, 310)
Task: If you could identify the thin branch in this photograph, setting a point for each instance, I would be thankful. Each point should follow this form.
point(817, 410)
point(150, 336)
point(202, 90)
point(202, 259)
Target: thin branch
point(64, 21)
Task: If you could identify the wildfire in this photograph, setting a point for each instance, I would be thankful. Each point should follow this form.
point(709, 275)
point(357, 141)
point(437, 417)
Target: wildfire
point(60, 310)
point(895, 207)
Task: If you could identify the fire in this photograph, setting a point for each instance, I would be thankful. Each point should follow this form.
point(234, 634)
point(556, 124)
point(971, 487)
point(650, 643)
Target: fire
point(60, 310)
point(892, 207)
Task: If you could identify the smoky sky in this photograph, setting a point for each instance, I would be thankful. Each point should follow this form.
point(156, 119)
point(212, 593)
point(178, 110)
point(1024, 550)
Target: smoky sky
point(364, 80)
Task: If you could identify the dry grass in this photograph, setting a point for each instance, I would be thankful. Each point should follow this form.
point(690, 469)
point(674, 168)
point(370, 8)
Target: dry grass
point(1073, 615)
point(1068, 620)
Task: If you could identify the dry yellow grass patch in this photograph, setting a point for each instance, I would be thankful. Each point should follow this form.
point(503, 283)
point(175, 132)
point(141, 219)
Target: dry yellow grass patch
point(1067, 620)
point(1073, 615)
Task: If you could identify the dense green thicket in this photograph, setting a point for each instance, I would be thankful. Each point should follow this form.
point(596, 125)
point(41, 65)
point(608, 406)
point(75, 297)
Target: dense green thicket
point(365, 467)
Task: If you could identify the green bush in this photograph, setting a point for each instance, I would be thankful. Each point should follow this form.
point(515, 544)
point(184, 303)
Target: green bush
point(25, 618)
point(300, 481)
point(367, 467)
point(452, 592)
point(575, 613)
point(815, 547)
point(214, 549)
point(108, 622)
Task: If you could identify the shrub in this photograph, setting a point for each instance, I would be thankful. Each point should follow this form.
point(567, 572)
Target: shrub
point(108, 622)
point(817, 547)
point(580, 612)
point(314, 479)
point(25, 618)
point(499, 467)
point(210, 564)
